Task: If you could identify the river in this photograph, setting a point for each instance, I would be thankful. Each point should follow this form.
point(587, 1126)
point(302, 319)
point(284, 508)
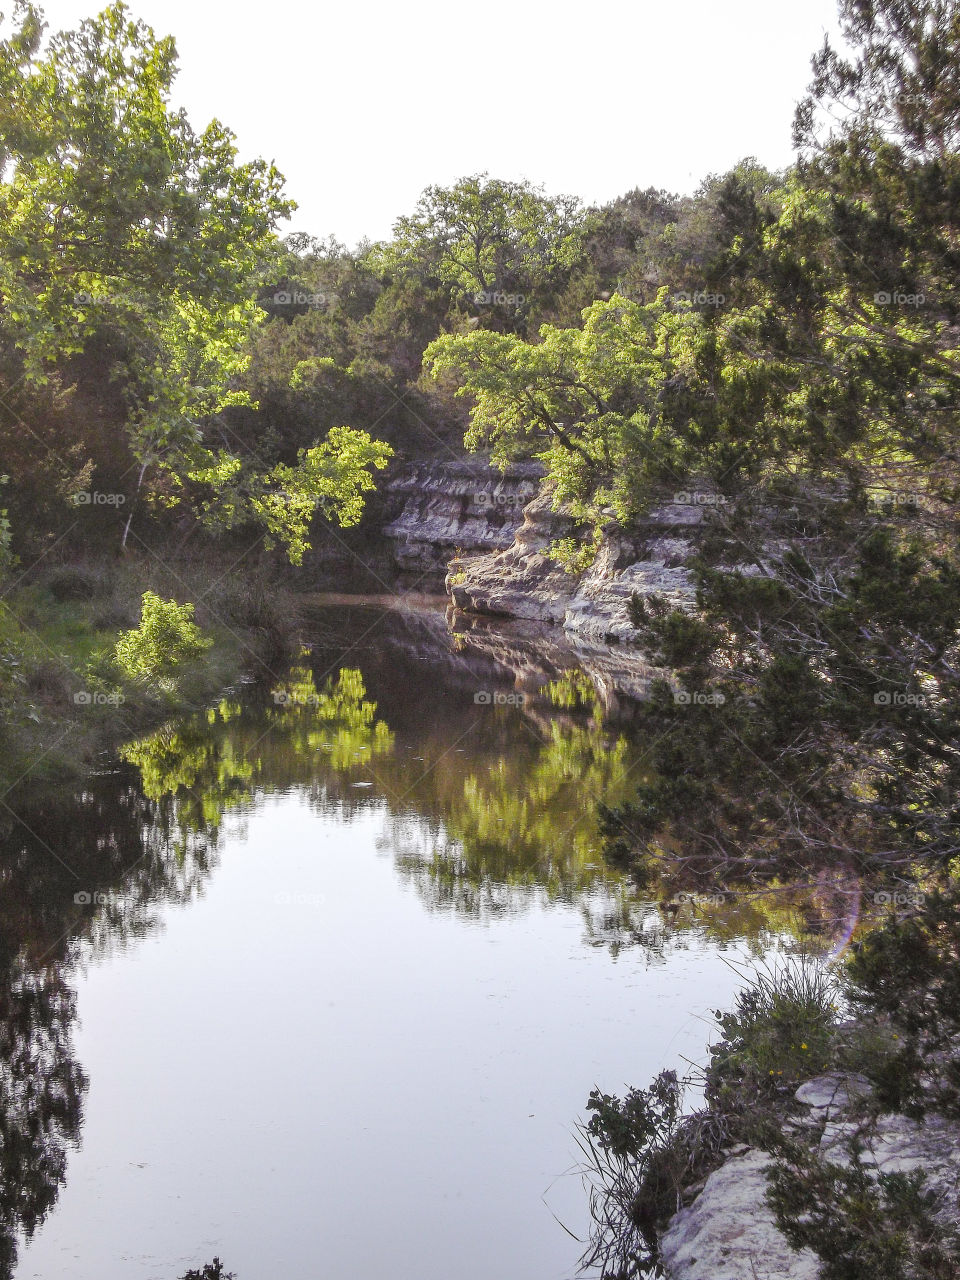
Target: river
point(319, 979)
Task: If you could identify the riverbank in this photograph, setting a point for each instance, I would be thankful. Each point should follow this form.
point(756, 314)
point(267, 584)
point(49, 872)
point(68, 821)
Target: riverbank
point(63, 700)
point(826, 1145)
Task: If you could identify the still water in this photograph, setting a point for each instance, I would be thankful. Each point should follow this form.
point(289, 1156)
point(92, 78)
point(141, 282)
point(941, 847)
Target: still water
point(350, 965)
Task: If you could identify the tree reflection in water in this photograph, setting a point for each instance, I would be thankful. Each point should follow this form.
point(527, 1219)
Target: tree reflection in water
point(106, 846)
point(489, 807)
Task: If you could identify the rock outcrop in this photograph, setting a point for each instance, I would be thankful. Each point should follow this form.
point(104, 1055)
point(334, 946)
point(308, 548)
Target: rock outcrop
point(729, 1231)
point(491, 533)
point(522, 581)
point(460, 506)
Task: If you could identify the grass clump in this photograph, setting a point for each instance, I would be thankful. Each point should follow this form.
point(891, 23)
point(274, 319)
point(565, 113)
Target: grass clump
point(781, 1031)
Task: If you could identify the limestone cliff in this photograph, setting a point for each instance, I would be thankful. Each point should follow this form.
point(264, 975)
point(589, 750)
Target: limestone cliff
point(460, 505)
point(521, 580)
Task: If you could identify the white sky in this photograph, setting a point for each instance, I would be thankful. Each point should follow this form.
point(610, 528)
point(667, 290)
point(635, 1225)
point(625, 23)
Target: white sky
point(362, 104)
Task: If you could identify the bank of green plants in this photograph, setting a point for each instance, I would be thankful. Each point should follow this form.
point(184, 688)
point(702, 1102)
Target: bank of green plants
point(63, 694)
point(891, 1014)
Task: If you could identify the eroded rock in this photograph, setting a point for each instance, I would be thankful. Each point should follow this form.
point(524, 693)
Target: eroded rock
point(522, 581)
point(456, 506)
point(729, 1233)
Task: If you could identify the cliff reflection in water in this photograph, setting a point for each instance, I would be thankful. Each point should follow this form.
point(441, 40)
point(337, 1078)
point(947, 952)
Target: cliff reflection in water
point(485, 763)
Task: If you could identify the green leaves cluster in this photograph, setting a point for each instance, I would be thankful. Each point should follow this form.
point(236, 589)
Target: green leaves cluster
point(166, 638)
point(135, 243)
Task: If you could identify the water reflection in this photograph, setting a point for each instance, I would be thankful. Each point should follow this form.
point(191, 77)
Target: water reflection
point(484, 756)
point(41, 1093)
point(77, 875)
point(502, 791)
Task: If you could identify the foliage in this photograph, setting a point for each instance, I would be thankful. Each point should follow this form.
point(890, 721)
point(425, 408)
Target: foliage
point(132, 250)
point(781, 1031)
point(906, 975)
point(495, 245)
point(331, 478)
point(211, 1271)
point(119, 218)
point(819, 702)
point(627, 1144)
point(165, 640)
point(862, 1225)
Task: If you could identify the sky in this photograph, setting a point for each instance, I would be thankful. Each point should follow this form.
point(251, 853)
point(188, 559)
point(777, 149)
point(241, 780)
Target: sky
point(363, 104)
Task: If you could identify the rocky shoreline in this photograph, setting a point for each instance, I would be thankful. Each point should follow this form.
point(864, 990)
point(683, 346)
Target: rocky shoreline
point(728, 1230)
point(489, 535)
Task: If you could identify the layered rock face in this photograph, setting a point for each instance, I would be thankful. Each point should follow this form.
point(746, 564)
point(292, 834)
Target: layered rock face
point(460, 506)
point(490, 534)
point(521, 581)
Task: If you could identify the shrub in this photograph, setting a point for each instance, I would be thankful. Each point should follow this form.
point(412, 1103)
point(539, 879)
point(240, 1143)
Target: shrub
point(212, 1271)
point(906, 976)
point(780, 1032)
point(631, 1161)
point(166, 638)
point(861, 1226)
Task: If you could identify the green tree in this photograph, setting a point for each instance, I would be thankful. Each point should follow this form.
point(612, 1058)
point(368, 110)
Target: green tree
point(496, 245)
point(123, 228)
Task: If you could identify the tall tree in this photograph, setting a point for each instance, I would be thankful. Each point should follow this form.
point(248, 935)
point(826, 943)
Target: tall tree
point(122, 224)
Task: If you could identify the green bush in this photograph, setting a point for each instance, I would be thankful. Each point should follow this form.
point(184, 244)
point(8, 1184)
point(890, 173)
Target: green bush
point(635, 1168)
point(861, 1226)
point(166, 638)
